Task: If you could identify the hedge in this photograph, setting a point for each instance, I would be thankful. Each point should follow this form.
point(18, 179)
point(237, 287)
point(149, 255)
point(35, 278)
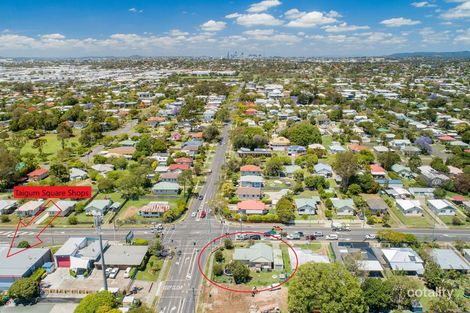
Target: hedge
point(38, 274)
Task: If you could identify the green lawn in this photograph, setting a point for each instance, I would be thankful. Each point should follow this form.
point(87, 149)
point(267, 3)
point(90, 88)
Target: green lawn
point(326, 141)
point(314, 246)
point(414, 221)
point(285, 258)
point(307, 194)
point(152, 270)
point(51, 146)
point(460, 215)
point(263, 279)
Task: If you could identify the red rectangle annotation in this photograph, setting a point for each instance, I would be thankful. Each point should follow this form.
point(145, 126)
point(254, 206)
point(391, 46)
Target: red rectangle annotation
point(54, 192)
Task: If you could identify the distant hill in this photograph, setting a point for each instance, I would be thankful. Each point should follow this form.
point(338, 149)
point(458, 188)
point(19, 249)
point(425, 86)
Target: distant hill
point(440, 55)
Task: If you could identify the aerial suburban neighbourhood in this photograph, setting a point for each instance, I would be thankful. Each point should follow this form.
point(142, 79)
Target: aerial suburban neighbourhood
point(265, 181)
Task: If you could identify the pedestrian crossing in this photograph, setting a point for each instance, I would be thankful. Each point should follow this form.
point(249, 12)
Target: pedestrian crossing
point(20, 233)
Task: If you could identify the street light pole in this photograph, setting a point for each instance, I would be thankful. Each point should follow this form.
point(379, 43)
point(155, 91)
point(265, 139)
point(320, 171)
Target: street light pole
point(97, 218)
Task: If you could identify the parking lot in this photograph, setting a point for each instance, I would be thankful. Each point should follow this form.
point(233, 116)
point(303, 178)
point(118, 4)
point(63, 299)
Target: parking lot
point(61, 280)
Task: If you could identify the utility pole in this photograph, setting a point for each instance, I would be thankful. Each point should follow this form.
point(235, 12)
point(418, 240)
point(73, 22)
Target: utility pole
point(97, 218)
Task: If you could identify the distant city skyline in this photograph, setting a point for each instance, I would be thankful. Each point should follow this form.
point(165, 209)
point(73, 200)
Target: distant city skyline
point(213, 28)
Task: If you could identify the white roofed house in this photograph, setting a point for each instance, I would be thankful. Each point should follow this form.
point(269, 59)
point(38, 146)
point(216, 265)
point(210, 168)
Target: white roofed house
point(431, 176)
point(323, 169)
point(441, 207)
point(409, 207)
point(30, 208)
point(307, 205)
point(66, 207)
point(7, 206)
point(343, 207)
point(404, 260)
point(77, 174)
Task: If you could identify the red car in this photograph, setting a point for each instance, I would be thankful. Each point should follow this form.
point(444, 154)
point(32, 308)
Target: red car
point(203, 214)
point(310, 237)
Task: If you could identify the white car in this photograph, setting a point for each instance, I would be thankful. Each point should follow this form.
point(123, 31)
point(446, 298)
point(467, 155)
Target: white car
point(370, 237)
point(318, 234)
point(13, 235)
point(127, 273)
point(114, 273)
point(331, 237)
point(193, 214)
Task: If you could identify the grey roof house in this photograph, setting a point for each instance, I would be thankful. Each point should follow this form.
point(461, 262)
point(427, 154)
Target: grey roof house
point(449, 259)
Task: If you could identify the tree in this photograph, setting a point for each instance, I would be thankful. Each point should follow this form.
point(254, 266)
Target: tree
point(439, 165)
point(354, 189)
point(38, 144)
point(397, 239)
point(414, 162)
point(24, 244)
point(326, 288)
point(378, 294)
point(365, 157)
point(157, 247)
point(210, 133)
point(7, 166)
point(346, 166)
point(185, 178)
point(285, 209)
point(141, 309)
point(240, 272)
point(388, 159)
point(64, 131)
point(73, 220)
point(24, 289)
point(274, 166)
point(424, 143)
point(219, 256)
point(403, 291)
point(249, 137)
point(303, 133)
point(228, 244)
point(443, 305)
point(462, 183)
point(92, 302)
point(433, 275)
point(217, 269)
point(60, 171)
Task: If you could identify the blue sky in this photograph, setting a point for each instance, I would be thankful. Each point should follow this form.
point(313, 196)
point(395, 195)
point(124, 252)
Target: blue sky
point(269, 27)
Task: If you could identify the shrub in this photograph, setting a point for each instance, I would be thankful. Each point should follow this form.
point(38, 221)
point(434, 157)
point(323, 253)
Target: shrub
point(5, 218)
point(218, 269)
point(73, 220)
point(140, 242)
point(219, 256)
point(38, 274)
point(228, 244)
point(457, 221)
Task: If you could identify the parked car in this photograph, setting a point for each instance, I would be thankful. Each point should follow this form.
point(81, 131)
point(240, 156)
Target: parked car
point(108, 271)
point(331, 237)
point(310, 237)
point(127, 273)
point(114, 273)
point(193, 214)
point(300, 233)
point(203, 214)
point(255, 237)
point(13, 235)
point(293, 236)
point(201, 197)
point(241, 236)
point(370, 237)
point(318, 234)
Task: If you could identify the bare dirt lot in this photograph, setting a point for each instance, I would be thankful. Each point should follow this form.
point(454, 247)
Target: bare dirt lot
point(214, 299)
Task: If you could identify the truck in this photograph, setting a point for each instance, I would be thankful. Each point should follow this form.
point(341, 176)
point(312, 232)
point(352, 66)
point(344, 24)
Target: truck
point(340, 227)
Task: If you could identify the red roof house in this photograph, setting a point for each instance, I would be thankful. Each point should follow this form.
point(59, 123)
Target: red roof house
point(181, 167)
point(377, 170)
point(251, 207)
point(184, 160)
point(356, 147)
point(446, 138)
point(38, 174)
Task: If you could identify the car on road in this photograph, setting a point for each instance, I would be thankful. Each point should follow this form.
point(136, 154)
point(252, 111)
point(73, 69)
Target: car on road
point(13, 235)
point(310, 237)
point(300, 233)
point(209, 171)
point(277, 228)
point(201, 197)
point(203, 214)
point(241, 237)
point(318, 234)
point(194, 214)
point(255, 237)
point(293, 236)
point(370, 237)
point(331, 237)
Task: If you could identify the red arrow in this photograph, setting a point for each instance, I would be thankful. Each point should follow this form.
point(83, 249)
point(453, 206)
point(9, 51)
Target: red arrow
point(22, 224)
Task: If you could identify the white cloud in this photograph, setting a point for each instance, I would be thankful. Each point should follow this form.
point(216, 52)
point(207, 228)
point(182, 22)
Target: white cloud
point(255, 19)
point(55, 36)
point(343, 27)
point(460, 11)
point(399, 21)
point(213, 26)
point(134, 10)
point(263, 6)
point(270, 35)
point(310, 19)
point(177, 33)
point(430, 36)
point(423, 4)
point(463, 37)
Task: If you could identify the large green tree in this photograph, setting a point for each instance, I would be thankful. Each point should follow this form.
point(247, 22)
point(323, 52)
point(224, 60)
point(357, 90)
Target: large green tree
point(325, 287)
point(346, 166)
point(24, 289)
point(94, 303)
point(285, 209)
point(303, 133)
point(240, 272)
point(378, 294)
